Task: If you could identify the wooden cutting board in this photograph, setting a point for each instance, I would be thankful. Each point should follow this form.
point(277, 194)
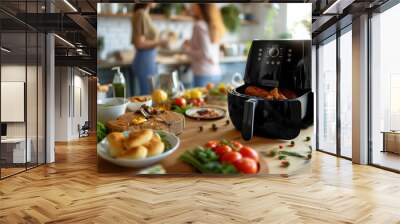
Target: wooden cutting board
point(166, 120)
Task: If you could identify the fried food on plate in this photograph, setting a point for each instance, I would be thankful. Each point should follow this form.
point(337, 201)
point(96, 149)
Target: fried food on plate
point(116, 142)
point(138, 138)
point(139, 152)
point(155, 146)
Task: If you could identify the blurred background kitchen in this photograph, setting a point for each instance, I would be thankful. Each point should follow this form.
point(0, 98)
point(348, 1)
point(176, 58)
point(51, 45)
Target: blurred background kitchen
point(174, 23)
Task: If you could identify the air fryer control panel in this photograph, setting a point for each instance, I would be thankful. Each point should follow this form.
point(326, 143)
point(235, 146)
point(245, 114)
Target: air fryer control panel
point(283, 63)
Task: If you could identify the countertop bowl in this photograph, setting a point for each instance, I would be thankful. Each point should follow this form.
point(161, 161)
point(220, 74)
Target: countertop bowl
point(110, 108)
point(134, 106)
point(102, 151)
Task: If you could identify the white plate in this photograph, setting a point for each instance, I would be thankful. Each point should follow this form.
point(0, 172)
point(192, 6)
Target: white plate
point(192, 113)
point(102, 151)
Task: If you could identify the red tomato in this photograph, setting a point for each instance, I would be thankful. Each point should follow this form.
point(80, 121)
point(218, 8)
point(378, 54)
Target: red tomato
point(231, 157)
point(180, 102)
point(248, 152)
point(238, 145)
point(246, 165)
point(212, 144)
point(222, 149)
point(197, 102)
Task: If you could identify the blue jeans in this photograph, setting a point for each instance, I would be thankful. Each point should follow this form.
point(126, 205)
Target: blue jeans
point(203, 80)
point(144, 66)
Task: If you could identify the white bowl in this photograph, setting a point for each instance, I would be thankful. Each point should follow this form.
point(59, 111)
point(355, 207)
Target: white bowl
point(110, 108)
point(134, 106)
point(102, 151)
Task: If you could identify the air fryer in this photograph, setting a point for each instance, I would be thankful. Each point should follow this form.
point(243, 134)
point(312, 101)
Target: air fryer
point(283, 64)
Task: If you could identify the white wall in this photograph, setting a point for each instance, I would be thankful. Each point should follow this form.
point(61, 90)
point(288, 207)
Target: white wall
point(34, 126)
point(70, 84)
point(12, 73)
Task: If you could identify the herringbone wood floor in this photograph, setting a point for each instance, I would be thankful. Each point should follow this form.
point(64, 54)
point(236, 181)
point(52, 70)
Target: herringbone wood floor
point(71, 191)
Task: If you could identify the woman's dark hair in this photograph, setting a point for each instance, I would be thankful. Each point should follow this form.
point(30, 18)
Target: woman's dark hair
point(204, 8)
point(140, 6)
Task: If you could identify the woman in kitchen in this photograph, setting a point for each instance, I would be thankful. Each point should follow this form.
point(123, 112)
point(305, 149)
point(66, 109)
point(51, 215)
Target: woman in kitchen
point(145, 39)
point(203, 48)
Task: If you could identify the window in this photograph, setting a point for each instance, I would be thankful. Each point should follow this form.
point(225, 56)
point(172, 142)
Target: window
point(346, 93)
point(22, 76)
point(327, 96)
point(385, 89)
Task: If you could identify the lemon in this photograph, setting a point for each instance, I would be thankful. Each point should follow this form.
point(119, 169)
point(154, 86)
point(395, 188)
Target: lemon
point(196, 94)
point(159, 96)
point(187, 94)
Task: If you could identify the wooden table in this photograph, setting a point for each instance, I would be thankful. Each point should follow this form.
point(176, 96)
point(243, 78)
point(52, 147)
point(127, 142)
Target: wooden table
point(192, 136)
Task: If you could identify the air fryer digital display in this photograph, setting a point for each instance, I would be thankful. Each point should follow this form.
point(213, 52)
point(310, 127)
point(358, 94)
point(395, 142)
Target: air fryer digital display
point(283, 63)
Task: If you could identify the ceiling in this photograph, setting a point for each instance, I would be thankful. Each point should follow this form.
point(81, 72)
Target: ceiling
point(73, 20)
point(328, 15)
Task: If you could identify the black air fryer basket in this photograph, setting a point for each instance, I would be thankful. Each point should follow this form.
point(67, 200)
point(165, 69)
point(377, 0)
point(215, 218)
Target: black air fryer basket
point(284, 64)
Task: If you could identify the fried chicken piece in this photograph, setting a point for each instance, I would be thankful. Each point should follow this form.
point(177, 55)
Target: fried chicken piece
point(277, 95)
point(259, 92)
point(288, 93)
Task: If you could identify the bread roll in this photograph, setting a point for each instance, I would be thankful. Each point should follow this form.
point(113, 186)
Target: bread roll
point(155, 146)
point(157, 136)
point(116, 143)
point(138, 138)
point(139, 152)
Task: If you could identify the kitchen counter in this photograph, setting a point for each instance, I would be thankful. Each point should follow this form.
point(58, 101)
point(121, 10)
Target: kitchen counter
point(168, 60)
point(192, 137)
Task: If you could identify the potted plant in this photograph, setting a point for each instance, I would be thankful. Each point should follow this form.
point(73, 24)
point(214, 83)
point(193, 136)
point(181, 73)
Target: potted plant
point(230, 16)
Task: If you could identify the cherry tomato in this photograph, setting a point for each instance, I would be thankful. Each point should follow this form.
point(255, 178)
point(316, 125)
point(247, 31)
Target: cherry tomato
point(212, 144)
point(248, 152)
point(180, 102)
point(222, 149)
point(246, 165)
point(197, 102)
point(231, 157)
point(238, 145)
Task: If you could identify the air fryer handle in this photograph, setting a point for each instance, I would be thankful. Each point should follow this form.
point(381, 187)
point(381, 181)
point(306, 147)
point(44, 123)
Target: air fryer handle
point(248, 119)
